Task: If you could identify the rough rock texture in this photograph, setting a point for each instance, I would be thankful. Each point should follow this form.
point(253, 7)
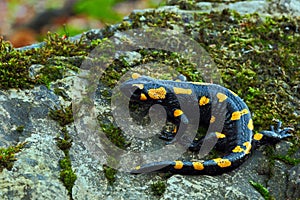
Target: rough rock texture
point(35, 174)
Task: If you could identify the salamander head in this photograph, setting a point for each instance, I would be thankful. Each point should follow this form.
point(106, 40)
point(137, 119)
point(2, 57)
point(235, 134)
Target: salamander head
point(143, 88)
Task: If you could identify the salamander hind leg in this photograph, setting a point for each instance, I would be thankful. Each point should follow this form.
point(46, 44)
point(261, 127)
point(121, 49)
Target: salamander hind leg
point(273, 135)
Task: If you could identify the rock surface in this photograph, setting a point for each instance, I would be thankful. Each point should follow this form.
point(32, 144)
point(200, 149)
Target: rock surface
point(35, 174)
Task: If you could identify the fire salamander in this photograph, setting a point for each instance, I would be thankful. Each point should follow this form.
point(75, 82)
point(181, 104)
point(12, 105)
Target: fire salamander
point(226, 115)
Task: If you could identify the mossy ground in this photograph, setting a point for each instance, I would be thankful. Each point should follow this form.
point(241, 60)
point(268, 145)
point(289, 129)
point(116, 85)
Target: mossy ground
point(110, 174)
point(14, 64)
point(63, 116)
point(258, 59)
point(158, 188)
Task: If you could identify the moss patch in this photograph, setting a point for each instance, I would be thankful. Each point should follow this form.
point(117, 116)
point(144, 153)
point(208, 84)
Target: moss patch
point(110, 174)
point(262, 190)
point(67, 175)
point(14, 64)
point(20, 129)
point(172, 59)
point(62, 93)
point(7, 156)
point(287, 159)
point(63, 116)
point(114, 134)
point(158, 188)
point(258, 60)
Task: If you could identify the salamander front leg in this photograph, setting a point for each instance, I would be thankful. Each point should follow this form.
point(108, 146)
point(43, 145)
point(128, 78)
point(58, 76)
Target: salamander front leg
point(196, 144)
point(168, 135)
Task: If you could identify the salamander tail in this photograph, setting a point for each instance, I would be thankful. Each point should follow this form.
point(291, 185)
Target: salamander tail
point(208, 167)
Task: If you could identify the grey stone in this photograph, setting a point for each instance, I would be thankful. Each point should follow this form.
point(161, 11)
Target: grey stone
point(293, 186)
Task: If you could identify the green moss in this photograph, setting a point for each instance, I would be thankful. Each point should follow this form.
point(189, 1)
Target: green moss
point(65, 142)
point(67, 175)
point(110, 174)
point(257, 59)
point(158, 188)
point(270, 152)
point(114, 134)
point(262, 190)
point(7, 156)
point(14, 64)
point(172, 59)
point(287, 159)
point(56, 45)
point(61, 92)
point(20, 128)
point(161, 19)
point(63, 116)
point(294, 148)
point(13, 67)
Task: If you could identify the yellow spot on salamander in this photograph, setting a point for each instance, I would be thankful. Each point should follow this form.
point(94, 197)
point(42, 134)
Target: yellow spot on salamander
point(143, 97)
point(222, 97)
point(220, 135)
point(212, 119)
point(236, 115)
point(203, 101)
point(177, 112)
point(222, 162)
point(135, 75)
point(238, 149)
point(250, 124)
point(137, 167)
point(232, 92)
point(258, 136)
point(159, 93)
point(178, 90)
point(198, 166)
point(178, 165)
point(140, 86)
point(244, 111)
point(248, 147)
